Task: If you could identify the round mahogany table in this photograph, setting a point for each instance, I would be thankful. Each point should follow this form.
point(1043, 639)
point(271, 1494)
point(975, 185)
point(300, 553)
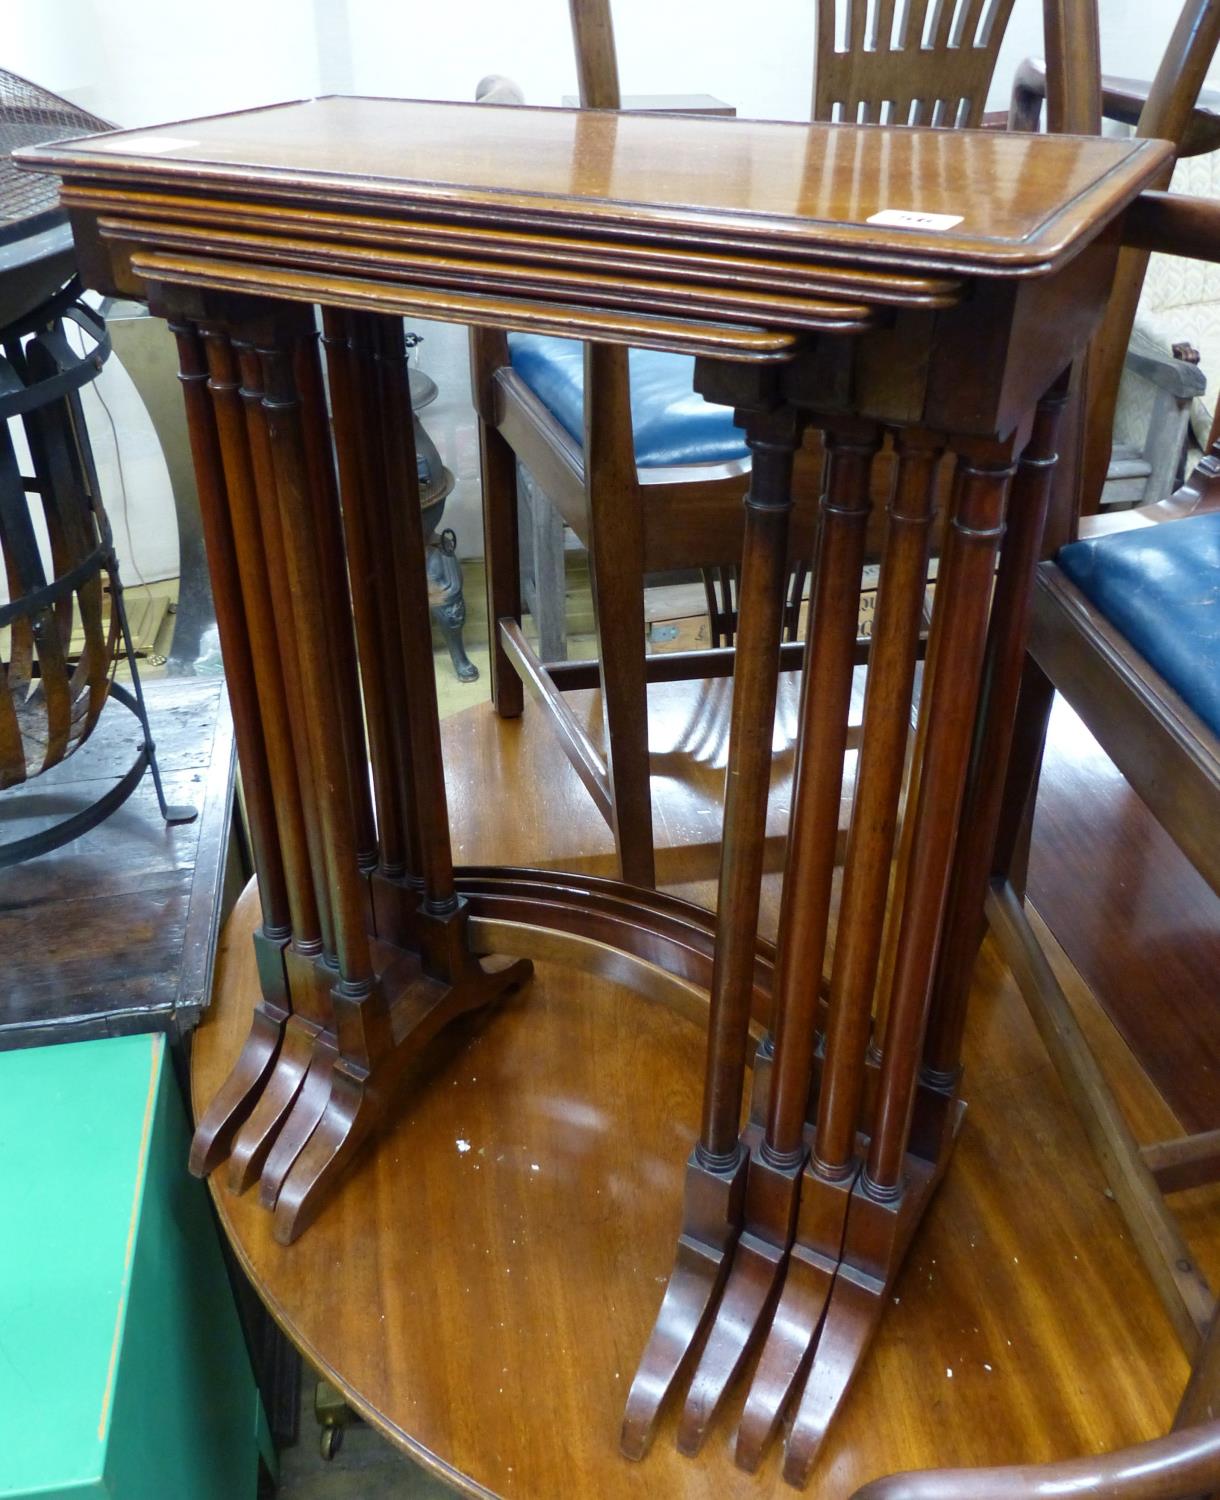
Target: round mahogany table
point(484, 1278)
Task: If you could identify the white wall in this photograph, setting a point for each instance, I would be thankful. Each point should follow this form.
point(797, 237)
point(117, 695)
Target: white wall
point(149, 61)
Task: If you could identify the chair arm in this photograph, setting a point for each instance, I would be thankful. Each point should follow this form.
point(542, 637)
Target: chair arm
point(1170, 1468)
point(1179, 377)
point(1122, 100)
point(1174, 224)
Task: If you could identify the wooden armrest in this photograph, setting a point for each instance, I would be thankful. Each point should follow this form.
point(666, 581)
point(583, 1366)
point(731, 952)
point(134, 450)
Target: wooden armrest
point(1174, 224)
point(1122, 99)
point(1168, 373)
point(1183, 1464)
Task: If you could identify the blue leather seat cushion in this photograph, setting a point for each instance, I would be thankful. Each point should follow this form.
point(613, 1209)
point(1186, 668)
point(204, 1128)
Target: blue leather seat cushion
point(671, 422)
point(1159, 586)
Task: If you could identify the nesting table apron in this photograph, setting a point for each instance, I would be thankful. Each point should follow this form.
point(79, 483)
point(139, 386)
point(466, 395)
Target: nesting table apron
point(923, 289)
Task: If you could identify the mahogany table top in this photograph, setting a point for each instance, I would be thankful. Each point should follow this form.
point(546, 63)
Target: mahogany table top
point(1010, 203)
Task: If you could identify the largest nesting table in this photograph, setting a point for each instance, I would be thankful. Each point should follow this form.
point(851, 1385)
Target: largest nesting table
point(919, 288)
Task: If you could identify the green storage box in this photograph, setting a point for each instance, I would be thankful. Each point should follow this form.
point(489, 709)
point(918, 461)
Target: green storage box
point(123, 1371)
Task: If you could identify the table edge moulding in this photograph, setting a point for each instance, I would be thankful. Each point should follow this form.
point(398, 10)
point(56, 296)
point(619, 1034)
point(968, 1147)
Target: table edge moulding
point(947, 343)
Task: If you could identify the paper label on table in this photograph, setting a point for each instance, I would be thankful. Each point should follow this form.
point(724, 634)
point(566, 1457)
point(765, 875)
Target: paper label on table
point(903, 218)
point(151, 145)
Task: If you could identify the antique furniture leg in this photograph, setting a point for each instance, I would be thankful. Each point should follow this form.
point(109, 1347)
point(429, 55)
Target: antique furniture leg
point(544, 576)
point(501, 544)
point(888, 1199)
point(260, 599)
point(777, 1154)
point(328, 529)
point(236, 1098)
point(360, 1013)
point(616, 570)
point(374, 1046)
point(1001, 682)
point(831, 1167)
point(292, 1103)
point(716, 1171)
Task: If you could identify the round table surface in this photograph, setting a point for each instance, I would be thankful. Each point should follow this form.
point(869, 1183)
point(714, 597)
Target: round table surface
point(485, 1279)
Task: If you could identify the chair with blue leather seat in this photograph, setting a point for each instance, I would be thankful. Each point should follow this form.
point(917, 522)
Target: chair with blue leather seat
point(1125, 624)
point(648, 475)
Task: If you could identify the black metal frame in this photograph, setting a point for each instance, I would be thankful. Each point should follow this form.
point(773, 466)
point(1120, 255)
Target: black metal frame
point(18, 398)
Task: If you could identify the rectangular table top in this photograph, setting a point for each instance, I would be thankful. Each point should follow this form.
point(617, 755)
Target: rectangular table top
point(983, 202)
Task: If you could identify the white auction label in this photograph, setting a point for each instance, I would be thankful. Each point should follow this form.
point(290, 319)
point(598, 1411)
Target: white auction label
point(905, 218)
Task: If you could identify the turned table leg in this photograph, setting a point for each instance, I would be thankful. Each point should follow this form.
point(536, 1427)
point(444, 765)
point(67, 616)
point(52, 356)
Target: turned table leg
point(256, 561)
point(361, 1016)
point(1005, 659)
point(830, 1168)
point(236, 1098)
point(891, 1192)
point(715, 1173)
point(778, 1151)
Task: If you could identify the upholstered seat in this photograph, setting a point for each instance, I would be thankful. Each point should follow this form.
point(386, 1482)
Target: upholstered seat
point(672, 423)
point(1159, 586)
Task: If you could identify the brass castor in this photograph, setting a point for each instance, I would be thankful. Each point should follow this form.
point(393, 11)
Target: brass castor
point(334, 1417)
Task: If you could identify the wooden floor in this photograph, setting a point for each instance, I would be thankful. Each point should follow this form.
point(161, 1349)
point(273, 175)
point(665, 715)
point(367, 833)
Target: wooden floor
point(1140, 923)
point(485, 1280)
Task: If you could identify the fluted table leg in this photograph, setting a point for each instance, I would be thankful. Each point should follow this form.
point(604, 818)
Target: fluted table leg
point(716, 1171)
point(889, 1196)
point(236, 1098)
point(777, 1151)
point(830, 1167)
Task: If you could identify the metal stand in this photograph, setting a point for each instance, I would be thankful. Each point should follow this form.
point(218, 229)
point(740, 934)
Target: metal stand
point(41, 379)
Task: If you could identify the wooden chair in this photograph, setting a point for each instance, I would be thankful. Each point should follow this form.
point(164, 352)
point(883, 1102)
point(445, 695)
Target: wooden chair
point(648, 475)
point(1176, 107)
point(1124, 624)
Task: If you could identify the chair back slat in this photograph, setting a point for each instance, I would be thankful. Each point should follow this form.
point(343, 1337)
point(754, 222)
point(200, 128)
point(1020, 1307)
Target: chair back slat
point(883, 22)
point(942, 25)
point(912, 67)
point(857, 15)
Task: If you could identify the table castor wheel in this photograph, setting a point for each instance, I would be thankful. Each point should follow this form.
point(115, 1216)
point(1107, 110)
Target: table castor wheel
point(334, 1417)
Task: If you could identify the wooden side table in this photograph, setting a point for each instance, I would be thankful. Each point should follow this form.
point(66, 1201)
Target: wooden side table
point(917, 289)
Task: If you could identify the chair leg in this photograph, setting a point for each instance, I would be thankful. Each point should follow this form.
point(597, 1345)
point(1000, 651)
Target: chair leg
point(1010, 860)
point(502, 560)
point(544, 577)
point(1178, 1280)
point(618, 607)
point(1201, 1399)
point(616, 567)
point(550, 581)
